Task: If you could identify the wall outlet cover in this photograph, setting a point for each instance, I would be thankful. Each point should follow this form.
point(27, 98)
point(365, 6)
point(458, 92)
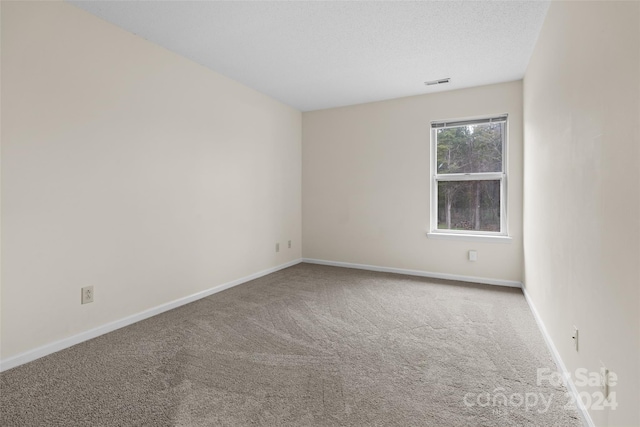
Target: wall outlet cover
point(87, 295)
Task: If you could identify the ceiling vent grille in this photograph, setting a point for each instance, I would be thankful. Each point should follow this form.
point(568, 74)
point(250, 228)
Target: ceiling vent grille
point(437, 82)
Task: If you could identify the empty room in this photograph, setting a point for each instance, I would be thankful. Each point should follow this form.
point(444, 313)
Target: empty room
point(320, 213)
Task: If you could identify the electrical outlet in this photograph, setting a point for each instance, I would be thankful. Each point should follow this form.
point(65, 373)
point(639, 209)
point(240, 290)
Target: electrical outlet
point(473, 256)
point(289, 244)
point(574, 337)
point(277, 247)
point(87, 295)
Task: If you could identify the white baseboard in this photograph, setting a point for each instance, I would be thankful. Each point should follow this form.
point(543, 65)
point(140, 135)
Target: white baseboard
point(47, 349)
point(586, 418)
point(421, 273)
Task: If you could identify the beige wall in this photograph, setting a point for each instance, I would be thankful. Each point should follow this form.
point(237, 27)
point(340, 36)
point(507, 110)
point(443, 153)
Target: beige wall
point(365, 179)
point(582, 216)
point(132, 169)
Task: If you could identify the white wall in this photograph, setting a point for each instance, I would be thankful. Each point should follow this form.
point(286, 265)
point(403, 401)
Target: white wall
point(132, 169)
point(365, 180)
point(582, 192)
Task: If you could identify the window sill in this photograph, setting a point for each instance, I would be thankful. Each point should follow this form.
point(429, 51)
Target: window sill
point(469, 237)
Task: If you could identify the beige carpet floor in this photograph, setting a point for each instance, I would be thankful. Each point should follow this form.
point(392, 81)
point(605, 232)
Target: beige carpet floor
point(308, 345)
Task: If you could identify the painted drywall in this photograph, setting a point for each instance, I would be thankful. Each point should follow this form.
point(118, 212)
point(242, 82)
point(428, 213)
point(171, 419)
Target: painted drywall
point(365, 180)
point(581, 186)
point(132, 169)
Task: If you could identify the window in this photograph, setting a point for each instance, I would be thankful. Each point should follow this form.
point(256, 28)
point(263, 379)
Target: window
point(469, 178)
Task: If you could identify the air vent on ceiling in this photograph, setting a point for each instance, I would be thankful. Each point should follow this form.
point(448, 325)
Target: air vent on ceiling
point(437, 82)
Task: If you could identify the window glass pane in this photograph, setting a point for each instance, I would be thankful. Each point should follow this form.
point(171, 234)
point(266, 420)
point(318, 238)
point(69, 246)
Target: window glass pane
point(470, 149)
point(469, 205)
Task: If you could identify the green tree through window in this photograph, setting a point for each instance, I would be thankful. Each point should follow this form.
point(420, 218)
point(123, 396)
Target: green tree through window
point(469, 176)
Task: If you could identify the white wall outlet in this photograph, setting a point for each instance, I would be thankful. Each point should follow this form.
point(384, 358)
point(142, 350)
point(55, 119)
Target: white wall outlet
point(473, 255)
point(87, 295)
point(277, 247)
point(574, 337)
point(289, 244)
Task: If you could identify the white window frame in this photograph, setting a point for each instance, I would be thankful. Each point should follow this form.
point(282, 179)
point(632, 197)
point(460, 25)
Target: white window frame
point(503, 234)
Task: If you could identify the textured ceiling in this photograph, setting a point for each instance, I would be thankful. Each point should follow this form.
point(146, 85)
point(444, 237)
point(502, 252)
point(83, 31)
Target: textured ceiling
point(314, 55)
